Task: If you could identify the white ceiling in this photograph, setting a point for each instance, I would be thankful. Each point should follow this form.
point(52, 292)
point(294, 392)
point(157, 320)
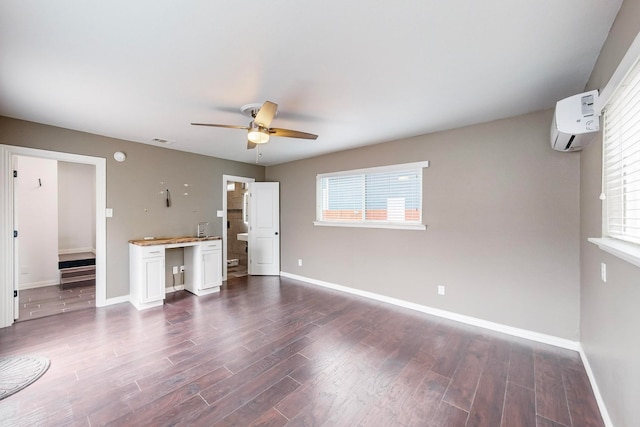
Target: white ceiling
point(353, 72)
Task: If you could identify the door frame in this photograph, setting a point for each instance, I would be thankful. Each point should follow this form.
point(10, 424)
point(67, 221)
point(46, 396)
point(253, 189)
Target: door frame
point(8, 258)
point(226, 179)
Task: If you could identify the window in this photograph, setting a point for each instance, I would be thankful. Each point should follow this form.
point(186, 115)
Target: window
point(382, 197)
point(621, 162)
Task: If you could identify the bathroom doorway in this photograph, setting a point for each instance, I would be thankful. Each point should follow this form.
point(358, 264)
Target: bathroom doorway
point(235, 226)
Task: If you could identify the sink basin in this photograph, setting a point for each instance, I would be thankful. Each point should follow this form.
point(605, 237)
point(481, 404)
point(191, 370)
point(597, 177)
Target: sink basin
point(243, 236)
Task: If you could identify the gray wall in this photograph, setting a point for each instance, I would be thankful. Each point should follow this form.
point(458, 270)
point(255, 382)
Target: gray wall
point(37, 209)
point(134, 186)
point(502, 210)
point(76, 207)
point(610, 312)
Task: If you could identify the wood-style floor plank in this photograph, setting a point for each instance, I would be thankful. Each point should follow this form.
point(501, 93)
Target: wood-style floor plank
point(543, 422)
point(551, 398)
point(270, 351)
point(449, 416)
point(465, 380)
point(519, 407)
point(224, 406)
point(582, 406)
point(488, 403)
point(521, 370)
point(265, 401)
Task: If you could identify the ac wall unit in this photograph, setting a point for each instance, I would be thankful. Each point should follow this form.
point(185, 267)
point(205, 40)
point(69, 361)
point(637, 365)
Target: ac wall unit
point(574, 122)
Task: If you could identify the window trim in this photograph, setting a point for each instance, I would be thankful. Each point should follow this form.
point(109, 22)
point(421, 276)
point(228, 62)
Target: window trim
point(366, 224)
point(622, 249)
point(627, 251)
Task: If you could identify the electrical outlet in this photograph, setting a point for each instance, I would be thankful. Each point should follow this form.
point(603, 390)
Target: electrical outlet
point(300, 262)
point(182, 269)
point(440, 290)
point(603, 272)
point(175, 269)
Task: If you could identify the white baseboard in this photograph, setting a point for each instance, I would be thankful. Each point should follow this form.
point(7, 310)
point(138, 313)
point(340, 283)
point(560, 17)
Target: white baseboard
point(116, 300)
point(41, 284)
point(498, 327)
point(125, 298)
point(76, 251)
point(596, 391)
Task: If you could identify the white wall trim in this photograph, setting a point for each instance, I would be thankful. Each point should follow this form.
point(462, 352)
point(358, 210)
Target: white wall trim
point(377, 169)
point(625, 65)
point(371, 224)
point(116, 300)
point(41, 284)
point(8, 274)
point(629, 252)
point(498, 327)
point(594, 385)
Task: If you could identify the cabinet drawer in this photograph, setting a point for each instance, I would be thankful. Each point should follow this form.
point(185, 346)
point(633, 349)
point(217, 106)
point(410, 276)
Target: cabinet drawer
point(152, 251)
point(211, 246)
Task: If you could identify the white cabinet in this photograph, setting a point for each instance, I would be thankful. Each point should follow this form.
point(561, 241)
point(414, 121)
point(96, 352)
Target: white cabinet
point(211, 265)
point(146, 275)
point(203, 264)
point(202, 275)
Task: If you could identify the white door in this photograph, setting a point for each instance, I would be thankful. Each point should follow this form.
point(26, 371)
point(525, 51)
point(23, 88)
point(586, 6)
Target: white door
point(264, 228)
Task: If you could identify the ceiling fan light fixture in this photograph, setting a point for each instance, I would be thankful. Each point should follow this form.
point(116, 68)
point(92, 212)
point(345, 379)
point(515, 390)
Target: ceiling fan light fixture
point(258, 134)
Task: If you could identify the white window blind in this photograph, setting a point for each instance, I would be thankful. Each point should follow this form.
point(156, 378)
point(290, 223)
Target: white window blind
point(388, 195)
point(621, 163)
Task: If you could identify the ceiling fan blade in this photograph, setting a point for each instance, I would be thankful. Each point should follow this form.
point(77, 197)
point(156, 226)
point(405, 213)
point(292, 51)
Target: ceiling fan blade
point(251, 145)
point(220, 126)
point(266, 113)
point(292, 133)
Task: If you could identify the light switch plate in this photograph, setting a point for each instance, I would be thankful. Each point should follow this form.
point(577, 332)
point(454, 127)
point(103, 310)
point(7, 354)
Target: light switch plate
point(220, 214)
point(108, 212)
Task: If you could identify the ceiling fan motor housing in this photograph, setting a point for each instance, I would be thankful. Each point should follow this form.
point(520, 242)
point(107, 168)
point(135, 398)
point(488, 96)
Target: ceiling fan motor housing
point(251, 110)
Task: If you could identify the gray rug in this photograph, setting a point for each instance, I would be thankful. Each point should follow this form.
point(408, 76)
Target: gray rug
point(17, 372)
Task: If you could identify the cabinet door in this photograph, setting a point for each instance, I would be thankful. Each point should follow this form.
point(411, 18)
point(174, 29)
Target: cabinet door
point(211, 269)
point(153, 288)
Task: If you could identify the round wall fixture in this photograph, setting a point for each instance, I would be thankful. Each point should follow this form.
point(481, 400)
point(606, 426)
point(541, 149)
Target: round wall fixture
point(119, 156)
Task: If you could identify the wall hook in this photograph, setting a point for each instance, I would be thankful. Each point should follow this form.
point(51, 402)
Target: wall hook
point(40, 182)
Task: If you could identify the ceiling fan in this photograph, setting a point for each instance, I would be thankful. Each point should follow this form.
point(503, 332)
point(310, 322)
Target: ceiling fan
point(259, 130)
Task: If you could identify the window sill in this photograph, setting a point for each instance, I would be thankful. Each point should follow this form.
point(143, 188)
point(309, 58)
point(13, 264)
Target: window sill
point(390, 225)
point(627, 251)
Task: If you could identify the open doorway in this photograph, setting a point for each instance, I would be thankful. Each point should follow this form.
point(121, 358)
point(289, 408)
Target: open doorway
point(54, 205)
point(9, 263)
point(235, 239)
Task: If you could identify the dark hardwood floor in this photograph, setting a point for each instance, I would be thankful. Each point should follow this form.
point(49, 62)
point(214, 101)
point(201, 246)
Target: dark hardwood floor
point(272, 351)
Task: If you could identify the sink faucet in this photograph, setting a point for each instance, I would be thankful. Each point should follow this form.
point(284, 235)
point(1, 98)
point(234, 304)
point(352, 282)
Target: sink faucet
point(201, 229)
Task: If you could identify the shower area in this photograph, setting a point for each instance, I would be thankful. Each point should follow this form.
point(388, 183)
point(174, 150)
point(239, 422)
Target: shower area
point(237, 228)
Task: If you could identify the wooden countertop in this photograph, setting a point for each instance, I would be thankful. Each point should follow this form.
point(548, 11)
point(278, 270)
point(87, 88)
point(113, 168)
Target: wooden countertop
point(172, 240)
